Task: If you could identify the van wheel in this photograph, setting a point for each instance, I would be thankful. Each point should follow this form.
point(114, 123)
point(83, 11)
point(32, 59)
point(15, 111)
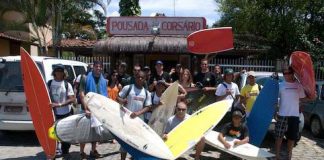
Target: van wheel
point(316, 127)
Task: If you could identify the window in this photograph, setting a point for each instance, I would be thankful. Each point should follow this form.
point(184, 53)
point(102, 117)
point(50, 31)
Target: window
point(10, 77)
point(79, 70)
point(322, 92)
point(70, 76)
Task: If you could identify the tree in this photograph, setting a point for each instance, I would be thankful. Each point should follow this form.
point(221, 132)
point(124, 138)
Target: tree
point(129, 8)
point(286, 25)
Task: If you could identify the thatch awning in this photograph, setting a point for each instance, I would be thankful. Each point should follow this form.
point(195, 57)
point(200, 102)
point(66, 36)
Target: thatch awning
point(142, 44)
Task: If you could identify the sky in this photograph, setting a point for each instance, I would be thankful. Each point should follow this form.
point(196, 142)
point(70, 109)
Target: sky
point(183, 8)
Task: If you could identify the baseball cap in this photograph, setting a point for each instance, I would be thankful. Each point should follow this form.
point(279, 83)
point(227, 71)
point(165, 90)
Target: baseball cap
point(146, 68)
point(228, 71)
point(237, 113)
point(58, 66)
point(159, 62)
point(251, 73)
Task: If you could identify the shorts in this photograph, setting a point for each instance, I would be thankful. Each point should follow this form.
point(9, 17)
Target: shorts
point(287, 125)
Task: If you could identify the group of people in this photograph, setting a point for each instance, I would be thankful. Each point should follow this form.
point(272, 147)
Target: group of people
point(141, 93)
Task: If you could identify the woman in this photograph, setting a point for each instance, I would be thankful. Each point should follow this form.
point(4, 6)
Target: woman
point(113, 85)
point(186, 79)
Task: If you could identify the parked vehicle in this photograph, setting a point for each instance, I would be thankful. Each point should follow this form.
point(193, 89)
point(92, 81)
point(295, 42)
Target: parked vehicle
point(314, 112)
point(14, 113)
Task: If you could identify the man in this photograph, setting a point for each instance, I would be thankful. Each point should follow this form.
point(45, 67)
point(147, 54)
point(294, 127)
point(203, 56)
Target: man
point(123, 77)
point(227, 90)
point(236, 130)
point(62, 96)
point(77, 85)
point(290, 93)
point(175, 73)
point(137, 68)
point(218, 74)
point(158, 75)
point(93, 82)
point(181, 115)
point(206, 78)
point(250, 92)
point(137, 99)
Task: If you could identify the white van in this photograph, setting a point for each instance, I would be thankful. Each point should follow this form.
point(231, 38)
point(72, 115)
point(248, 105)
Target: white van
point(14, 113)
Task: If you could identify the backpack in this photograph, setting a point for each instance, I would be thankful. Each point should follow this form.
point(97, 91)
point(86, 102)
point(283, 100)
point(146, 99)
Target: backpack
point(131, 87)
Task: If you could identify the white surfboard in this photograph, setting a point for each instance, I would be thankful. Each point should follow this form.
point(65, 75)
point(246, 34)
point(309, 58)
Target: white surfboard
point(245, 151)
point(134, 132)
point(163, 112)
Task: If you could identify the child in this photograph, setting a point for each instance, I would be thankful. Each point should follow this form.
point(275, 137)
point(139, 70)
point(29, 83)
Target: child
point(236, 130)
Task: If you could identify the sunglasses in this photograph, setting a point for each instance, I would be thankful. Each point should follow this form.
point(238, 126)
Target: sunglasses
point(181, 109)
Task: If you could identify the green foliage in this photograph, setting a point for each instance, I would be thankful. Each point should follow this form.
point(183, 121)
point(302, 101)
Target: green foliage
point(286, 25)
point(129, 8)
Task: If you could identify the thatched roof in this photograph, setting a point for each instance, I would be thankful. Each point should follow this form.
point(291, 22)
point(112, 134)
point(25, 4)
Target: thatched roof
point(142, 44)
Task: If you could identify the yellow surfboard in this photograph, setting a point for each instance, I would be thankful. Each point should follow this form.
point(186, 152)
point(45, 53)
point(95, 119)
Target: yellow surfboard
point(190, 131)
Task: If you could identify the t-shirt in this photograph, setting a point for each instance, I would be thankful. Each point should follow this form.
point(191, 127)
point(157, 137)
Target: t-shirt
point(164, 76)
point(58, 95)
point(252, 92)
point(174, 76)
point(156, 101)
point(236, 132)
point(218, 78)
point(206, 79)
point(124, 79)
point(289, 94)
point(173, 122)
point(221, 90)
point(136, 99)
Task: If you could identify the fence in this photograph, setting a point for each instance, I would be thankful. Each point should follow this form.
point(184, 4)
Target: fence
point(260, 65)
point(105, 60)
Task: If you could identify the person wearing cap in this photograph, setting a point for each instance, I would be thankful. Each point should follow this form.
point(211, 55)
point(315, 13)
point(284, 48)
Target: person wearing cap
point(159, 74)
point(93, 82)
point(176, 72)
point(291, 92)
point(62, 97)
point(123, 77)
point(235, 129)
point(218, 74)
point(205, 77)
point(250, 92)
point(227, 90)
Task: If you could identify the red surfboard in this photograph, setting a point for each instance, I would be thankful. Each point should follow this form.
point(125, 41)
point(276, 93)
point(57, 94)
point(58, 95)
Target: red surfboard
point(302, 64)
point(38, 101)
point(209, 41)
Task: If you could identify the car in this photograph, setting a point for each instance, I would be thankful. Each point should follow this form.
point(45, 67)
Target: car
point(314, 112)
point(14, 112)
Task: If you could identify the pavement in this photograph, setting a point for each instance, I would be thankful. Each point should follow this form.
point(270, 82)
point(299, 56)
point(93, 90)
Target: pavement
point(24, 146)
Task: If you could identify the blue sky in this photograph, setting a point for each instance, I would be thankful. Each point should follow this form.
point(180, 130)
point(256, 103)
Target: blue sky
point(183, 8)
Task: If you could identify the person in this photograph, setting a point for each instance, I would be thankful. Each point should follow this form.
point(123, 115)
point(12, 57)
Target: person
point(218, 74)
point(227, 90)
point(93, 82)
point(77, 85)
point(186, 79)
point(158, 75)
point(137, 99)
point(250, 92)
point(175, 73)
point(181, 115)
point(113, 85)
point(137, 68)
point(235, 129)
point(147, 71)
point(123, 77)
point(62, 97)
point(205, 77)
point(291, 93)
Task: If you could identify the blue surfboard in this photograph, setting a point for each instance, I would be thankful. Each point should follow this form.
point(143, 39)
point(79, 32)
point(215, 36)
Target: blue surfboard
point(262, 112)
point(135, 153)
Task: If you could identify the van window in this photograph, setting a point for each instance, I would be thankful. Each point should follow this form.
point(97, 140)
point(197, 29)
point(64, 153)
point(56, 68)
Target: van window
point(10, 77)
point(79, 70)
point(71, 76)
point(322, 92)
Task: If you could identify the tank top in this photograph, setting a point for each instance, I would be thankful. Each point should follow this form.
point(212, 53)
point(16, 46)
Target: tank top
point(113, 92)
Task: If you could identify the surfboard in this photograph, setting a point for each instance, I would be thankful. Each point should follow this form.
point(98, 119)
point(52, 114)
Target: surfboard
point(302, 64)
point(38, 101)
point(189, 132)
point(262, 112)
point(244, 151)
point(162, 113)
point(209, 41)
point(197, 99)
point(77, 129)
point(132, 131)
point(243, 80)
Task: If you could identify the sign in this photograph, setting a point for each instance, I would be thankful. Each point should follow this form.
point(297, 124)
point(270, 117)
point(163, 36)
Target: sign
point(154, 25)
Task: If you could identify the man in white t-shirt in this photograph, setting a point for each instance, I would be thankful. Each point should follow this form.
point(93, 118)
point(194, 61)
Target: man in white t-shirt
point(290, 93)
point(136, 98)
point(62, 96)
